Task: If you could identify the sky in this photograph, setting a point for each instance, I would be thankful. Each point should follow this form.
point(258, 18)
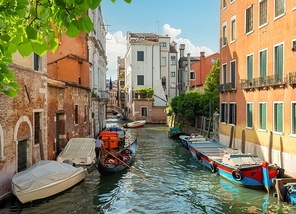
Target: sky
point(194, 23)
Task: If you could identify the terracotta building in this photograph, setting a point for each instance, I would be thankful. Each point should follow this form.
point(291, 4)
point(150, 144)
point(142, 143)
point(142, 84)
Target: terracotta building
point(68, 93)
point(258, 79)
point(200, 69)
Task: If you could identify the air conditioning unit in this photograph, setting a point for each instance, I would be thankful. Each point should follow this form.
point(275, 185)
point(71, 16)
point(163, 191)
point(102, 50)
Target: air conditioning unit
point(294, 45)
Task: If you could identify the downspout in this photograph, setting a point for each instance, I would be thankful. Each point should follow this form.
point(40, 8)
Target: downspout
point(152, 65)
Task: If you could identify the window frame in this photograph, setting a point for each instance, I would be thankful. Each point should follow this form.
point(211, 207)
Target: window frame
point(276, 67)
point(276, 8)
point(293, 118)
point(260, 69)
point(224, 35)
point(224, 112)
point(224, 73)
point(140, 56)
point(76, 114)
point(233, 29)
point(262, 125)
point(163, 61)
point(260, 23)
point(249, 70)
point(249, 21)
point(232, 113)
point(233, 74)
point(250, 116)
point(276, 117)
point(140, 80)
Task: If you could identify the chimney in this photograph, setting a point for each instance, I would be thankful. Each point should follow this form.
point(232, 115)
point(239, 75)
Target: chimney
point(182, 49)
point(202, 64)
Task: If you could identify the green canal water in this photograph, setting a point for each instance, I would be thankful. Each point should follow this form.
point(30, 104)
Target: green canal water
point(163, 179)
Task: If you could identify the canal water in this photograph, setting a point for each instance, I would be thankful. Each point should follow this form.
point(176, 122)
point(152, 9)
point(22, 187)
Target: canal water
point(163, 179)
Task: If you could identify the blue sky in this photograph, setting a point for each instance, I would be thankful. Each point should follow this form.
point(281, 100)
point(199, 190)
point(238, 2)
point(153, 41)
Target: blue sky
point(194, 23)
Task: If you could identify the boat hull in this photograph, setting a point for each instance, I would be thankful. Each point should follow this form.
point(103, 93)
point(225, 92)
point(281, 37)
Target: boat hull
point(53, 188)
point(135, 124)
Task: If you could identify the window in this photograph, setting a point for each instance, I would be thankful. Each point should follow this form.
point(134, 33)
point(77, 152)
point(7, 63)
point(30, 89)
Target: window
point(262, 116)
point(192, 75)
point(163, 44)
point(140, 80)
point(76, 114)
point(122, 83)
point(262, 12)
point(293, 118)
point(279, 61)
point(223, 116)
point(279, 8)
point(224, 67)
point(224, 4)
point(250, 67)
point(224, 34)
point(278, 117)
point(144, 111)
point(37, 127)
point(233, 28)
point(173, 74)
point(231, 1)
point(249, 115)
point(232, 113)
point(173, 60)
point(263, 63)
point(163, 61)
point(37, 60)
point(233, 73)
point(249, 19)
point(140, 55)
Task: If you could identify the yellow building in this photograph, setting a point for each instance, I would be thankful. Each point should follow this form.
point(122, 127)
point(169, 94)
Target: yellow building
point(258, 78)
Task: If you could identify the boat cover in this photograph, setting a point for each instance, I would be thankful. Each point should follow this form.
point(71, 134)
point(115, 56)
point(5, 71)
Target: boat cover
point(81, 151)
point(42, 174)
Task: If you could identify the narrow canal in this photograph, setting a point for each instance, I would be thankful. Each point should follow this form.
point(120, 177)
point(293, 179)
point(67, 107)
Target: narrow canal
point(163, 179)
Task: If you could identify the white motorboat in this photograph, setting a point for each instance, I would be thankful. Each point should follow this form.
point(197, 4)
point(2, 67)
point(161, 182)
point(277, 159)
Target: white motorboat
point(135, 124)
point(44, 179)
point(79, 151)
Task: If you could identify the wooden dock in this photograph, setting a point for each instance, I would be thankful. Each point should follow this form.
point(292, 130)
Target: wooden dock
point(279, 183)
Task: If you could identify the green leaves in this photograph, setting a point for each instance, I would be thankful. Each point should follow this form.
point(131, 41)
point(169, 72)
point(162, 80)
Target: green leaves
point(29, 26)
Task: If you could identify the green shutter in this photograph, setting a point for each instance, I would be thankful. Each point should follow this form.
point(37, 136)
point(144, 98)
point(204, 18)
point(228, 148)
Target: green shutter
point(250, 67)
point(249, 115)
point(294, 118)
point(263, 64)
point(263, 116)
point(279, 55)
point(279, 117)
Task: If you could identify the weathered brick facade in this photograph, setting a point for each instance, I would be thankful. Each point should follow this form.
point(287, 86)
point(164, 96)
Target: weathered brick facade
point(62, 99)
point(17, 134)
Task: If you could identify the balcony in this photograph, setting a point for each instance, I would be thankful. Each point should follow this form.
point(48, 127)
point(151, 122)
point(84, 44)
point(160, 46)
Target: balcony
point(227, 87)
point(292, 79)
point(100, 96)
point(262, 82)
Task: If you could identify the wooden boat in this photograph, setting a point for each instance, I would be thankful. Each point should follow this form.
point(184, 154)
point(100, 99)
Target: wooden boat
point(44, 179)
point(135, 124)
point(186, 139)
point(79, 151)
point(288, 192)
point(175, 132)
point(243, 169)
point(122, 159)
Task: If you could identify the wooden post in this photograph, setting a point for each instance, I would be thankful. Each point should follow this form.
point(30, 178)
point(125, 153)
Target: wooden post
point(41, 145)
point(231, 136)
point(243, 141)
point(209, 127)
point(201, 125)
point(270, 148)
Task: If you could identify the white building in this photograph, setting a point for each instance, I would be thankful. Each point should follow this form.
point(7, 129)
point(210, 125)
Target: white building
point(98, 61)
point(148, 65)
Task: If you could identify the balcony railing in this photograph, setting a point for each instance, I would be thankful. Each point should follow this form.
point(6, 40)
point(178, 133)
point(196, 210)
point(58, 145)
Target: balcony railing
point(292, 79)
point(262, 82)
point(101, 96)
point(226, 87)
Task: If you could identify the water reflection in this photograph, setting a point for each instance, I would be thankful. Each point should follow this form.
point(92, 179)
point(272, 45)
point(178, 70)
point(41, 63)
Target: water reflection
point(164, 179)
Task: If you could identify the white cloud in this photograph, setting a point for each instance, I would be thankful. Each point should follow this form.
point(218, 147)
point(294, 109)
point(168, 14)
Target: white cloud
point(116, 46)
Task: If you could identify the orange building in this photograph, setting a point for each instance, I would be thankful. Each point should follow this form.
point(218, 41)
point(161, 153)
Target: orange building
point(258, 78)
point(68, 93)
point(200, 69)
